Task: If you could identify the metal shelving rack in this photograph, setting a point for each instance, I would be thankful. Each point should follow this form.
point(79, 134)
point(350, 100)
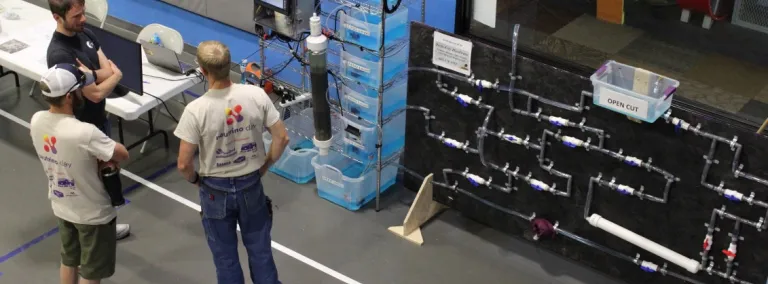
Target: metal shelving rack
point(386, 49)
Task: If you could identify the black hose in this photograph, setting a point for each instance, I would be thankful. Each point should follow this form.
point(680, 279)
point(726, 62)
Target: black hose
point(394, 8)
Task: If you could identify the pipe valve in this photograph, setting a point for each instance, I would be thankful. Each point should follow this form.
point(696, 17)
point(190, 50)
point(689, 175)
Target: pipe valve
point(453, 143)
point(484, 84)
point(707, 243)
point(733, 195)
point(476, 180)
point(512, 138)
point(648, 266)
point(730, 253)
point(464, 100)
point(625, 189)
point(680, 124)
point(558, 121)
point(572, 142)
point(633, 161)
point(539, 185)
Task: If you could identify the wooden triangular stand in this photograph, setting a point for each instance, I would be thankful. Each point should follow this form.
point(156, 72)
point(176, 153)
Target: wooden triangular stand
point(422, 209)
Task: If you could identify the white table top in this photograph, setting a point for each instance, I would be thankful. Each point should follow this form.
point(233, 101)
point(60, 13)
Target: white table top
point(35, 28)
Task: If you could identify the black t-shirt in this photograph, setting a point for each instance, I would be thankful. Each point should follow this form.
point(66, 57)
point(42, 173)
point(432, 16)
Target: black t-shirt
point(83, 46)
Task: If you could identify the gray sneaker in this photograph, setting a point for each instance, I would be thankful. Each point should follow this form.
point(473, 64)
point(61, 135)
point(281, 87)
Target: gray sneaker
point(123, 230)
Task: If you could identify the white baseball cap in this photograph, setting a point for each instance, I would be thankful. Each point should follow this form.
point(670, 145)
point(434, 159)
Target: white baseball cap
point(62, 79)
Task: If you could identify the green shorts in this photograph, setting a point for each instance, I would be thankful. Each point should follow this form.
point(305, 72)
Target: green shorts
point(92, 248)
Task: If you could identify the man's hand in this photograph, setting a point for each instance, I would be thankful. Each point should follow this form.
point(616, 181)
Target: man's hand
point(115, 70)
point(82, 67)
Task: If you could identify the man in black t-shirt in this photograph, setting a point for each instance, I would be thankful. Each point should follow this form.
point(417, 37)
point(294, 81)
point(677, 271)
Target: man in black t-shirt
point(74, 44)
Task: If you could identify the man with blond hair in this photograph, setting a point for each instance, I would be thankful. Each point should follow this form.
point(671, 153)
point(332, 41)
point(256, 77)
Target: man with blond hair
point(225, 125)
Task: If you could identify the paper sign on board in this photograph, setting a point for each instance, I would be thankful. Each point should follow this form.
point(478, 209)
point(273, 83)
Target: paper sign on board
point(452, 53)
point(623, 103)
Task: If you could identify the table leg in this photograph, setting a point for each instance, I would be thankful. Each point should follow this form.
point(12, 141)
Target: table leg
point(152, 134)
point(15, 76)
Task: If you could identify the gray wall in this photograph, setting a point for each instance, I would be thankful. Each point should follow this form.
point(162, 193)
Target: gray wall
point(236, 13)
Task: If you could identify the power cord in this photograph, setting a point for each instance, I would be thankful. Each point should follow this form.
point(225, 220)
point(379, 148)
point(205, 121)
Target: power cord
point(171, 79)
point(164, 105)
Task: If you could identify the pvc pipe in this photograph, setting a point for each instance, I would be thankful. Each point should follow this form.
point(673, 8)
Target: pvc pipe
point(688, 264)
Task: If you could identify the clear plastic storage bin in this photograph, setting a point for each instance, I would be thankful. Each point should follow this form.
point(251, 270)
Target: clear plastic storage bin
point(364, 102)
point(363, 66)
point(348, 183)
point(296, 162)
point(632, 91)
point(360, 138)
point(364, 29)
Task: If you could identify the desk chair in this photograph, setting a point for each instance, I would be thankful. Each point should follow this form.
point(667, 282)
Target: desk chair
point(96, 8)
point(170, 39)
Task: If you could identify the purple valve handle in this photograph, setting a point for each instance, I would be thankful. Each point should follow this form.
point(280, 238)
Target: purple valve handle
point(732, 198)
point(462, 102)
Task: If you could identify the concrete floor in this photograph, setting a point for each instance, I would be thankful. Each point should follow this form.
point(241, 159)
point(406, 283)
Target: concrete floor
point(168, 245)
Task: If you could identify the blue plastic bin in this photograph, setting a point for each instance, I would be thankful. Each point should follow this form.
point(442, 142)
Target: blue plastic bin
point(632, 91)
point(348, 183)
point(296, 162)
point(363, 66)
point(364, 29)
point(363, 101)
point(360, 138)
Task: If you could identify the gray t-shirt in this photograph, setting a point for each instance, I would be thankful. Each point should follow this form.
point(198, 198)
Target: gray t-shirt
point(69, 151)
point(227, 126)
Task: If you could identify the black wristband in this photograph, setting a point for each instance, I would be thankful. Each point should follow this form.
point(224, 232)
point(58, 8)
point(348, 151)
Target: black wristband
point(196, 179)
point(94, 76)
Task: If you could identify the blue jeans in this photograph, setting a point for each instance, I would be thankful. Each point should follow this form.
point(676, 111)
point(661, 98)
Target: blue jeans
point(227, 202)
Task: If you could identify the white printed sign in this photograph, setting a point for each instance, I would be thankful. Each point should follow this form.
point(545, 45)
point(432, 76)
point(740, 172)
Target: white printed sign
point(623, 103)
point(452, 53)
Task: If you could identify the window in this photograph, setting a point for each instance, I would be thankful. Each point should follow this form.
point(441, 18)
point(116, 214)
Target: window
point(724, 66)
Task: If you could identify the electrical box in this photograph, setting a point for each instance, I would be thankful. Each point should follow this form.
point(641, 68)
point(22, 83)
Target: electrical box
point(288, 18)
point(632, 91)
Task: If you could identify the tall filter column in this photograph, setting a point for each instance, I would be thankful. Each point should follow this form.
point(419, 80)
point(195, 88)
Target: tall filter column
point(317, 44)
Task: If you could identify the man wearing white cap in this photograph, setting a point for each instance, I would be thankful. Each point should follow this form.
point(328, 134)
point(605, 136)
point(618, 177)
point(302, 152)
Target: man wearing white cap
point(70, 151)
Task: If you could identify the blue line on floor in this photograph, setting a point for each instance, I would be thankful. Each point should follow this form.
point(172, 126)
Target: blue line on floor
point(192, 94)
point(55, 230)
point(28, 245)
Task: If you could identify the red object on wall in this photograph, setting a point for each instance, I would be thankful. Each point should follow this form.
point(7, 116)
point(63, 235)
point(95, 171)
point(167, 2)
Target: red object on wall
point(706, 7)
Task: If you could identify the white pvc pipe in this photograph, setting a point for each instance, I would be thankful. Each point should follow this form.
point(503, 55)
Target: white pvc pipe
point(689, 264)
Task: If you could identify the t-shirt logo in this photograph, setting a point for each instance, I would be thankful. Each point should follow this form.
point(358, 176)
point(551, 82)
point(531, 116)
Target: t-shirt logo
point(233, 114)
point(50, 144)
point(89, 44)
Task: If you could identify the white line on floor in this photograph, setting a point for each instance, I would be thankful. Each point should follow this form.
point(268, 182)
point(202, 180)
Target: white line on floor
point(196, 207)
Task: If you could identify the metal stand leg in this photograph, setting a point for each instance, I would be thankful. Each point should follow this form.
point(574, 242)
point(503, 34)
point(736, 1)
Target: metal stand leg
point(151, 122)
point(32, 90)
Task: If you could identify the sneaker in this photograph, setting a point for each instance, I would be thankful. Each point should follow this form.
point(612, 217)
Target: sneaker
point(123, 230)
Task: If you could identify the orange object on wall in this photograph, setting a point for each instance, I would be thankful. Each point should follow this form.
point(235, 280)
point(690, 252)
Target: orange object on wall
point(611, 11)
